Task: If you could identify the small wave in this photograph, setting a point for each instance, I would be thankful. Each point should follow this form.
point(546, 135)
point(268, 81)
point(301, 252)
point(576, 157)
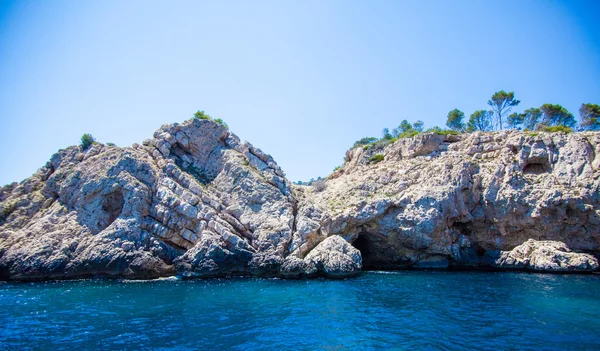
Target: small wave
point(384, 272)
point(174, 278)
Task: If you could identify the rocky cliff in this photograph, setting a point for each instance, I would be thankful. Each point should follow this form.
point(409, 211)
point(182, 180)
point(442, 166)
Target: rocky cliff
point(196, 201)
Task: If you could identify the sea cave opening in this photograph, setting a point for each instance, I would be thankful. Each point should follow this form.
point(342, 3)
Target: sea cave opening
point(367, 250)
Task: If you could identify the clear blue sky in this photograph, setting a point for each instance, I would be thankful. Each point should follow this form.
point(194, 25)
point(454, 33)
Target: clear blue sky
point(302, 80)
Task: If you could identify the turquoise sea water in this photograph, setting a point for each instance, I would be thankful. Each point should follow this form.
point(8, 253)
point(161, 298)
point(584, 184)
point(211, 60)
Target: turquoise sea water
point(409, 310)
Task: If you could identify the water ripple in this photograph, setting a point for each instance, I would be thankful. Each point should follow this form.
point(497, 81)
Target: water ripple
point(380, 310)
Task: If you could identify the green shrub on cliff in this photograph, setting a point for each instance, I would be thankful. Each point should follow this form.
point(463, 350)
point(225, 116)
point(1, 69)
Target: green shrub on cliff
point(364, 141)
point(434, 129)
point(447, 132)
point(86, 141)
point(440, 131)
point(201, 115)
point(555, 129)
point(221, 122)
point(376, 158)
point(407, 130)
point(408, 134)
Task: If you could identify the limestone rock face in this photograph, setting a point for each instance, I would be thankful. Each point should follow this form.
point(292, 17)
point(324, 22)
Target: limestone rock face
point(193, 200)
point(549, 256)
point(196, 201)
point(444, 201)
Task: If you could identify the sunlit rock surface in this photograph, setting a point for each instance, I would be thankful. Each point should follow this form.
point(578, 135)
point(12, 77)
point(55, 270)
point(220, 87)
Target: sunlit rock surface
point(196, 201)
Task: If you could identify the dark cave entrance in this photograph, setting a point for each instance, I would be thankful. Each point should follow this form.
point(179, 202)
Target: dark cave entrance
point(113, 206)
point(367, 250)
point(536, 168)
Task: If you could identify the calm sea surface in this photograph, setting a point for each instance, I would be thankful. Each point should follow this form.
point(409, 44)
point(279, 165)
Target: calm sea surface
point(409, 310)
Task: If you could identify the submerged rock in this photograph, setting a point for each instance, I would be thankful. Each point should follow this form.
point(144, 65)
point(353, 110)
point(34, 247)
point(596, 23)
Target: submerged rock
point(196, 201)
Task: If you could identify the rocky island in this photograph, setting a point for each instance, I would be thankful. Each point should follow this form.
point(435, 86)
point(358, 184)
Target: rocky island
point(195, 201)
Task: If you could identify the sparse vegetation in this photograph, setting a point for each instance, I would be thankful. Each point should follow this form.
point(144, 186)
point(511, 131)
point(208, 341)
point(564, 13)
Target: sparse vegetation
point(365, 141)
point(555, 129)
point(111, 144)
point(221, 122)
point(418, 126)
point(547, 118)
point(454, 120)
point(447, 132)
point(514, 120)
point(408, 134)
point(407, 130)
point(531, 118)
point(386, 135)
point(556, 115)
point(404, 130)
point(201, 115)
point(590, 116)
point(376, 158)
point(434, 129)
point(502, 103)
point(480, 120)
point(86, 141)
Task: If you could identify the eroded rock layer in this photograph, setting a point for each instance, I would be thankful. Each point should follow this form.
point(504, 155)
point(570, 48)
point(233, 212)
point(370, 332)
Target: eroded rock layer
point(196, 201)
point(439, 201)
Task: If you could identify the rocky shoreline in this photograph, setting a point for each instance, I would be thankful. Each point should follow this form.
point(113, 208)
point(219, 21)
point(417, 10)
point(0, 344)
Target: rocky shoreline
point(195, 201)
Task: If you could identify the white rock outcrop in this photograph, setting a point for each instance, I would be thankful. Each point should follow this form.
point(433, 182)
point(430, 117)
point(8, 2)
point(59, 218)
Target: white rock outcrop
point(439, 201)
point(335, 257)
point(196, 201)
point(546, 256)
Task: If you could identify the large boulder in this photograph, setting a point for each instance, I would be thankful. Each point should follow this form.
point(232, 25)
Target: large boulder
point(335, 257)
point(546, 256)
